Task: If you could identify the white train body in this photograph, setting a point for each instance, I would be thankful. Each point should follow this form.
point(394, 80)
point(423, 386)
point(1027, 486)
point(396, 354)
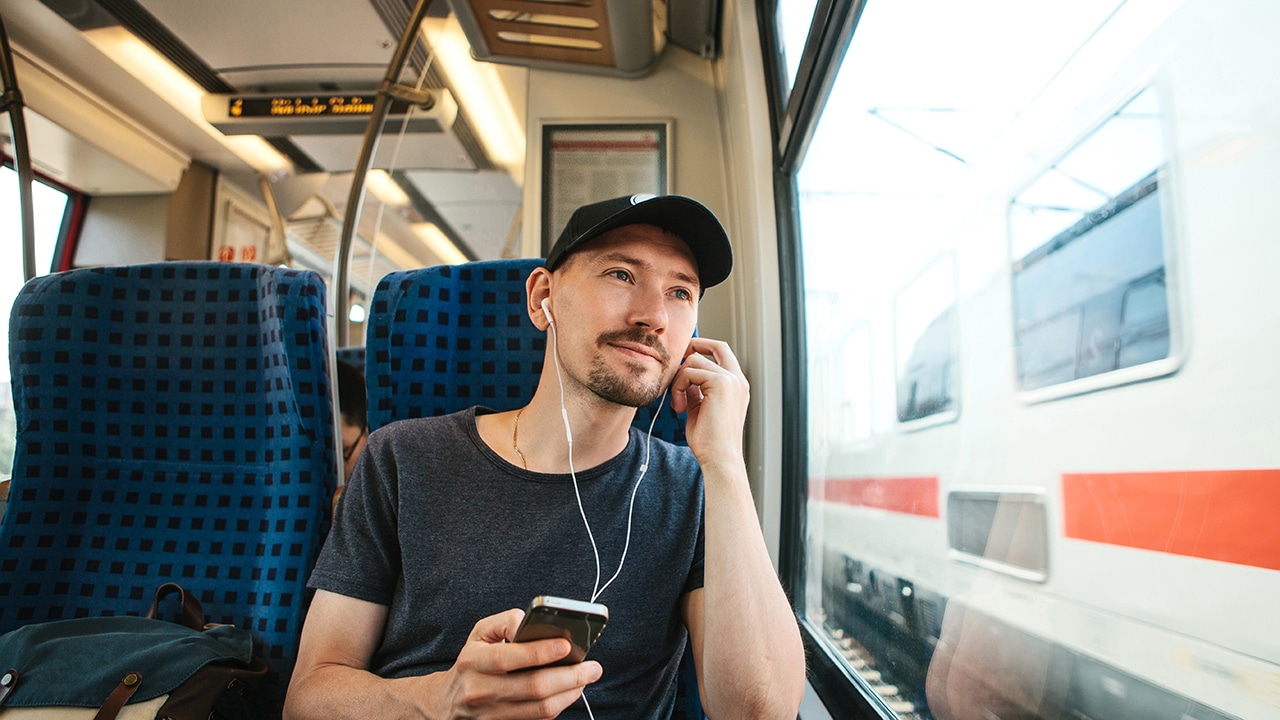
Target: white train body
point(1180, 591)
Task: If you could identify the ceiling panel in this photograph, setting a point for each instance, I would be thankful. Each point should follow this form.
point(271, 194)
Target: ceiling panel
point(339, 153)
point(230, 34)
point(481, 207)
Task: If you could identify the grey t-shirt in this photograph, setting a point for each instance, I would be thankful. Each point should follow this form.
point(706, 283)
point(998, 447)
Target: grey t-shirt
point(438, 527)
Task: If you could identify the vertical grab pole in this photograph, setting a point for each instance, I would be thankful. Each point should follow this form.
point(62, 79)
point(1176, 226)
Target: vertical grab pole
point(11, 101)
point(355, 199)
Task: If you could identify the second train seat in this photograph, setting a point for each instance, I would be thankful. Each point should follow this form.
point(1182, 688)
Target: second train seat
point(174, 423)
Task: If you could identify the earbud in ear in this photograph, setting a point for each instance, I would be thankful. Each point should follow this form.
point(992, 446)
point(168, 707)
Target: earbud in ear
point(546, 308)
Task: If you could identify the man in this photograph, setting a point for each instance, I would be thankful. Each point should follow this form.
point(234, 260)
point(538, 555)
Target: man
point(450, 525)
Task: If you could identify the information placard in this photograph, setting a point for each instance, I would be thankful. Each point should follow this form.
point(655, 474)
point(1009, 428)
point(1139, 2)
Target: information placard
point(587, 162)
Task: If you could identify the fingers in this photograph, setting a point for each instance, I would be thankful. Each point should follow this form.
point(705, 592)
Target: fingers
point(497, 628)
point(493, 677)
point(541, 693)
point(707, 363)
point(493, 652)
point(717, 351)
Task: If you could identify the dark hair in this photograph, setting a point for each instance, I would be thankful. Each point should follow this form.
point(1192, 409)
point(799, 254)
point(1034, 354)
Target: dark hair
point(351, 390)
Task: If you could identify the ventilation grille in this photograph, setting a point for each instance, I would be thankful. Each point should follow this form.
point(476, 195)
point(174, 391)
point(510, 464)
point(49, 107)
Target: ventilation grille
point(574, 31)
point(313, 243)
point(604, 37)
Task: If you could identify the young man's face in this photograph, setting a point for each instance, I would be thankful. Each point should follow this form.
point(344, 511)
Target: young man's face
point(625, 306)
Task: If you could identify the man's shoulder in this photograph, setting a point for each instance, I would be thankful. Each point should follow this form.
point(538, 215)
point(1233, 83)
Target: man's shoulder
point(416, 429)
point(669, 455)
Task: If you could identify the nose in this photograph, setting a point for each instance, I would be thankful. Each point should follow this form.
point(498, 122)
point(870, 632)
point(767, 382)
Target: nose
point(649, 310)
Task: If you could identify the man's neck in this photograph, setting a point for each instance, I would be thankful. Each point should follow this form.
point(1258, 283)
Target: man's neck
point(534, 436)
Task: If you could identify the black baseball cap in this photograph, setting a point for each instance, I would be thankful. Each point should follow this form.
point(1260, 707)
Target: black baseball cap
point(687, 218)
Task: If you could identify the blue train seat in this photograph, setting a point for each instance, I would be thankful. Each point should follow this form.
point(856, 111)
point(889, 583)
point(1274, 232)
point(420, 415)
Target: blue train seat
point(444, 338)
point(174, 423)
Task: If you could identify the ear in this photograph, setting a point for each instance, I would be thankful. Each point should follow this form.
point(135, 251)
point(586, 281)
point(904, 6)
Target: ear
point(537, 288)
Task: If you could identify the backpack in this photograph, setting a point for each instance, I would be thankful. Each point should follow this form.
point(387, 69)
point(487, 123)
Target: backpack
point(129, 668)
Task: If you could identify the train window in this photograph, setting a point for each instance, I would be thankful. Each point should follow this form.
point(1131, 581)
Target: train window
point(924, 324)
point(1005, 531)
point(1091, 297)
point(51, 206)
point(793, 18)
point(1007, 202)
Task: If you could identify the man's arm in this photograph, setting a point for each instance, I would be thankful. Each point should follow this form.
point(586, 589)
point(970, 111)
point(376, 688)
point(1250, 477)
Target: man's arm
point(331, 679)
point(746, 643)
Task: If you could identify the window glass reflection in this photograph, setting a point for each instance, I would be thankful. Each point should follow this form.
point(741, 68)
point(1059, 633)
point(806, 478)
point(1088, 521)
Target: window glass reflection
point(1038, 255)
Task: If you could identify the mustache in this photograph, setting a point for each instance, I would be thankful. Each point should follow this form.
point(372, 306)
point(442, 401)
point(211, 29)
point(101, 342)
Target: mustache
point(638, 336)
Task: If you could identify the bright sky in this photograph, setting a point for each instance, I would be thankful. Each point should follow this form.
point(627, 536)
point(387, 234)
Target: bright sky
point(930, 92)
point(49, 204)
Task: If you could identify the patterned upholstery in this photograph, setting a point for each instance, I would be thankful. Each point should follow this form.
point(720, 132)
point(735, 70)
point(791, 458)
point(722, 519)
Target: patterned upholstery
point(444, 338)
point(174, 423)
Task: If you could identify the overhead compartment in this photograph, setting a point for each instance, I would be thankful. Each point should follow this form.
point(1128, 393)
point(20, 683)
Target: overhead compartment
point(609, 37)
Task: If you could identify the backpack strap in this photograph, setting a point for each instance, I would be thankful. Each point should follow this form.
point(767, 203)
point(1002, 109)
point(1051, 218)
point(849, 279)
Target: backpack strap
point(118, 697)
point(192, 611)
point(8, 681)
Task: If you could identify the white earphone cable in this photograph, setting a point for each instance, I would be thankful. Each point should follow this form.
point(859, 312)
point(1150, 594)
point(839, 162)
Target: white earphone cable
point(597, 590)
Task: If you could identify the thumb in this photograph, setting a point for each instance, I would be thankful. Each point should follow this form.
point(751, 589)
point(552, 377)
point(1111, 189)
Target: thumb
point(498, 628)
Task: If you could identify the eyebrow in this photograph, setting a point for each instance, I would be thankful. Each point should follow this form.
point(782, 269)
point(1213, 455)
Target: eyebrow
point(624, 258)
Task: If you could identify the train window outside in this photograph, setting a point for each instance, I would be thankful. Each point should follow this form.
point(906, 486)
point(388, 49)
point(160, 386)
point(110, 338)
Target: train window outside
point(51, 207)
point(924, 322)
point(1005, 203)
point(1003, 530)
point(793, 18)
point(1091, 297)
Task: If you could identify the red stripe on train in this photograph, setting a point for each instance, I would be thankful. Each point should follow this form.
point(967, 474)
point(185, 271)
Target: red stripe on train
point(910, 495)
point(1222, 515)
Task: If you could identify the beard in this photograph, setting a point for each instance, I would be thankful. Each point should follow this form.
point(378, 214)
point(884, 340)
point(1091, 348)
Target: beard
point(628, 389)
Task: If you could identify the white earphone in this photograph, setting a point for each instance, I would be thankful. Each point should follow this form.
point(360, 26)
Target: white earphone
point(546, 308)
point(597, 589)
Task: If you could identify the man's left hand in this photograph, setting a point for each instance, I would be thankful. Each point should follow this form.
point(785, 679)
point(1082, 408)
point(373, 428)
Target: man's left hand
point(711, 388)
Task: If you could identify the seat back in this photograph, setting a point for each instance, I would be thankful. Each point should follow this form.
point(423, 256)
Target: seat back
point(174, 423)
point(444, 338)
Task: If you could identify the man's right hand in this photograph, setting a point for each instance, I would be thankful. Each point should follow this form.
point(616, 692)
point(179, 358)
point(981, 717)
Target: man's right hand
point(492, 677)
point(496, 678)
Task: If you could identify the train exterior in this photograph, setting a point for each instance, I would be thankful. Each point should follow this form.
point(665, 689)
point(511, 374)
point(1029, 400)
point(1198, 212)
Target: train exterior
point(1003, 279)
point(1041, 438)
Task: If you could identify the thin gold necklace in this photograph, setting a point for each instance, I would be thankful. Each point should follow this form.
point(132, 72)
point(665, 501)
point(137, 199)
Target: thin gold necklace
point(515, 432)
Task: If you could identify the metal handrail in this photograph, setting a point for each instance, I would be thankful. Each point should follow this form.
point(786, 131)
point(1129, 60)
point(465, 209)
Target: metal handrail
point(389, 89)
point(11, 102)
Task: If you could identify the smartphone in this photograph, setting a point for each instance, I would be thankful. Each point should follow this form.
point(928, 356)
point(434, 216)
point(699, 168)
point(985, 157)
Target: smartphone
point(577, 621)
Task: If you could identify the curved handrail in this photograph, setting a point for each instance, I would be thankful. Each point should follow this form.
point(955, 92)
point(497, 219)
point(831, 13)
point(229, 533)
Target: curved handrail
point(381, 105)
point(11, 102)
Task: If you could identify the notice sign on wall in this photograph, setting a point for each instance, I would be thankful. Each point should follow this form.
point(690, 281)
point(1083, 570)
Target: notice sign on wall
point(585, 163)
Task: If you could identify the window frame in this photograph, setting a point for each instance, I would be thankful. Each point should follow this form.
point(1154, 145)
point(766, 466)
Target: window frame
point(72, 218)
point(793, 122)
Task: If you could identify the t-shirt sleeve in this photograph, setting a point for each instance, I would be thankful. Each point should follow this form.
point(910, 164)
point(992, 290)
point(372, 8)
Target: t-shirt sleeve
point(361, 556)
point(694, 580)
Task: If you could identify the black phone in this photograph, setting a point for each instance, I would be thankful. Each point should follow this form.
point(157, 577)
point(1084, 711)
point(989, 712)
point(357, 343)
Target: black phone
point(577, 621)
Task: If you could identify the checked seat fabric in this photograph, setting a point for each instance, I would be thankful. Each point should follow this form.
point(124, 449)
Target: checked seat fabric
point(174, 423)
point(444, 338)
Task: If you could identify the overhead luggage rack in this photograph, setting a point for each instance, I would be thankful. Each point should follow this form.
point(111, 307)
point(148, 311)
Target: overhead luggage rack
point(608, 37)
